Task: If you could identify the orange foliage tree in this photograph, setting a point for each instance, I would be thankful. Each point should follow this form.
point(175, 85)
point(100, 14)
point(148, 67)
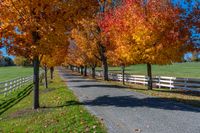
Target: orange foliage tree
point(86, 38)
point(55, 58)
point(152, 31)
point(28, 25)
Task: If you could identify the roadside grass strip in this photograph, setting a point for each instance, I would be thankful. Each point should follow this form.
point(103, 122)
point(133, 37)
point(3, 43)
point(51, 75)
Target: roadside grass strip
point(56, 112)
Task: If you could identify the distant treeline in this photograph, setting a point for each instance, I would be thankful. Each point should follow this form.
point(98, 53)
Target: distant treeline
point(18, 61)
point(6, 61)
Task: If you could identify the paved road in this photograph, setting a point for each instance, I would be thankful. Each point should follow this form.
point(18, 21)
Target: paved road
point(124, 111)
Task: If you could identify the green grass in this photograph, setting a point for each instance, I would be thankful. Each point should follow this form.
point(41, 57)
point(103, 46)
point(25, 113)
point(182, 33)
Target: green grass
point(188, 70)
point(60, 112)
point(7, 73)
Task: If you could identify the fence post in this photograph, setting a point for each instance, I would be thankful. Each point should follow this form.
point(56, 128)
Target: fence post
point(10, 87)
point(159, 82)
point(185, 83)
point(146, 80)
point(20, 83)
point(134, 78)
point(170, 83)
point(6, 88)
point(17, 83)
point(14, 85)
point(112, 77)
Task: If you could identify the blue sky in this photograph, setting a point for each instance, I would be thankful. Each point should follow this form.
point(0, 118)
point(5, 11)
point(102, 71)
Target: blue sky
point(183, 3)
point(5, 53)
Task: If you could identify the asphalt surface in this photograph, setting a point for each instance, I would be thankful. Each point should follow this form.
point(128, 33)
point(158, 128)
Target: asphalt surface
point(125, 111)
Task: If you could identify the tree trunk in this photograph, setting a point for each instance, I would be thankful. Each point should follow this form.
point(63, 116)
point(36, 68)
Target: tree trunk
point(36, 82)
point(51, 72)
point(45, 77)
point(104, 62)
point(36, 65)
point(93, 72)
point(81, 70)
point(78, 69)
point(105, 69)
point(71, 67)
point(149, 76)
point(123, 71)
point(85, 71)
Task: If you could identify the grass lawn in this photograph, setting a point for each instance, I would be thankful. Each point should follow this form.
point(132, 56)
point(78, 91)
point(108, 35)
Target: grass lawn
point(7, 73)
point(189, 70)
point(57, 114)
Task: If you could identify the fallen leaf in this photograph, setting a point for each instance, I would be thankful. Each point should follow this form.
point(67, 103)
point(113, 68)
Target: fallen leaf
point(137, 130)
point(94, 126)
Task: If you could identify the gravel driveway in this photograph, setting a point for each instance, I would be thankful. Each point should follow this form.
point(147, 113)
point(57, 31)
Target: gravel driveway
point(125, 111)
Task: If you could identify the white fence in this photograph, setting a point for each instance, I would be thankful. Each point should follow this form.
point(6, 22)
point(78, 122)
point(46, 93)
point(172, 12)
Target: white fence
point(158, 81)
point(11, 85)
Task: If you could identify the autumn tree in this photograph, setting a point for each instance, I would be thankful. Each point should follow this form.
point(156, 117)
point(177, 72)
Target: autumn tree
point(22, 61)
point(120, 55)
point(91, 29)
point(86, 38)
point(153, 31)
point(27, 25)
point(53, 59)
point(190, 14)
point(104, 6)
point(75, 57)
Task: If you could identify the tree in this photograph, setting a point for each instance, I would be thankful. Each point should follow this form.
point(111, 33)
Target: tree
point(6, 61)
point(191, 16)
point(26, 27)
point(86, 38)
point(54, 58)
point(153, 31)
point(104, 6)
point(22, 61)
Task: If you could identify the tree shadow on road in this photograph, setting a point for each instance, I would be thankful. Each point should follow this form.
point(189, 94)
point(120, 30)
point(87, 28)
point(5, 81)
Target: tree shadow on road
point(132, 102)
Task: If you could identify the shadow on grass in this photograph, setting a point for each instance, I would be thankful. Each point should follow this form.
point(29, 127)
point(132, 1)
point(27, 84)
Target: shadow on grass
point(131, 102)
point(7, 104)
point(47, 90)
point(167, 90)
point(190, 93)
point(83, 80)
point(70, 76)
point(102, 85)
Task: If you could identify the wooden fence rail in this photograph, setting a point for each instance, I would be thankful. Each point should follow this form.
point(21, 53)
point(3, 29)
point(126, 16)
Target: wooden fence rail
point(11, 85)
point(158, 81)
